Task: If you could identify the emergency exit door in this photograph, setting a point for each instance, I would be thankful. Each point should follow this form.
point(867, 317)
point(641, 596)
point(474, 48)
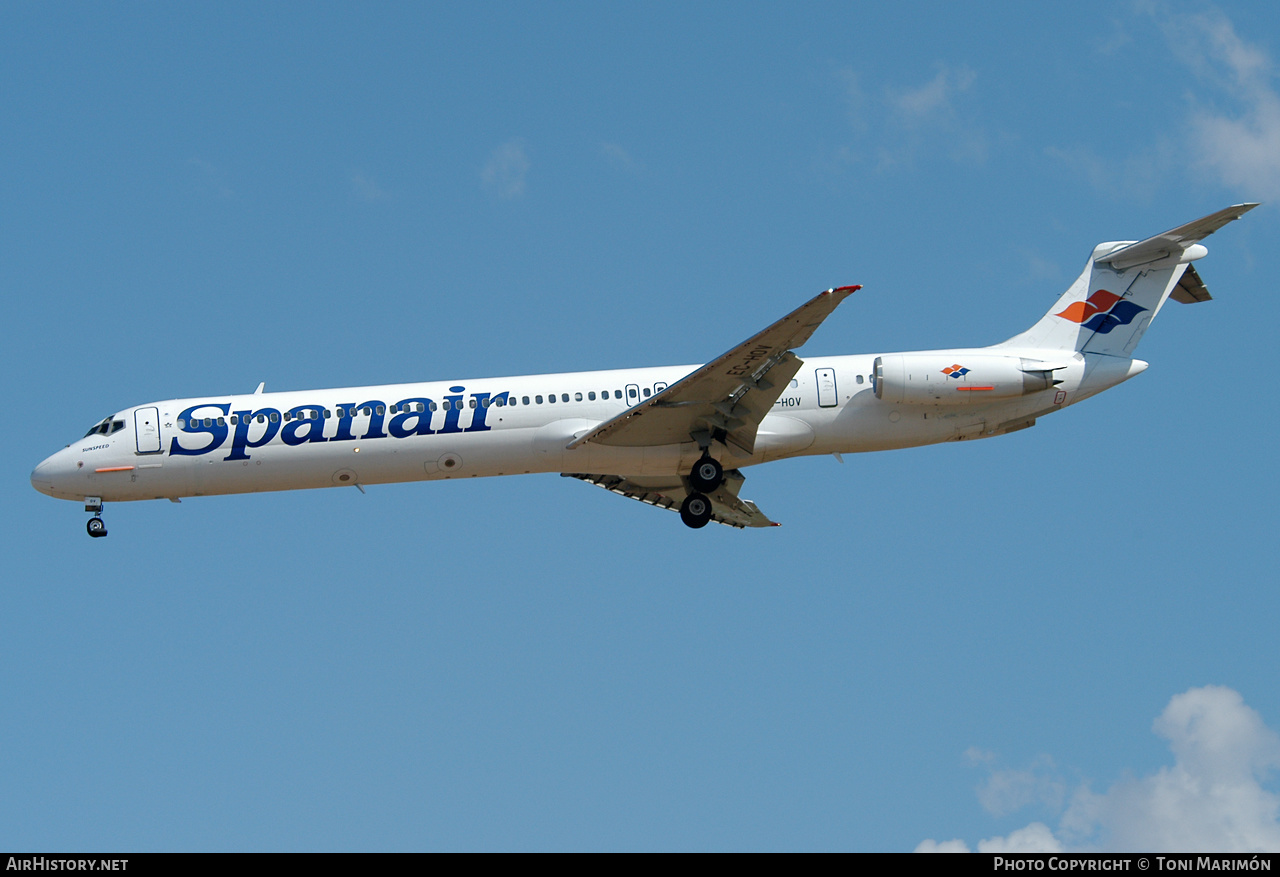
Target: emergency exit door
point(827, 397)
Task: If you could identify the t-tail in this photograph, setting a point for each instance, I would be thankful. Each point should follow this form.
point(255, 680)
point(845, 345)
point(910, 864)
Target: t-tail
point(1123, 287)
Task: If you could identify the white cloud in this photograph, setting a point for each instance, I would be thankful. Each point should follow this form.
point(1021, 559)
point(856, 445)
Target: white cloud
point(909, 121)
point(618, 157)
point(934, 101)
point(1211, 799)
point(1232, 126)
point(503, 174)
point(366, 188)
point(1241, 144)
point(212, 178)
point(1005, 791)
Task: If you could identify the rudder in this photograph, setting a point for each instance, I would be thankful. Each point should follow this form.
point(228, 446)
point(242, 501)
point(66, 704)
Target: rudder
point(1109, 307)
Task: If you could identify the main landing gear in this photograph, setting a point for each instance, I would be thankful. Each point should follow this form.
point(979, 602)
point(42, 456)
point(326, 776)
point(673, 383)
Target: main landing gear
point(707, 474)
point(695, 511)
point(706, 477)
point(95, 526)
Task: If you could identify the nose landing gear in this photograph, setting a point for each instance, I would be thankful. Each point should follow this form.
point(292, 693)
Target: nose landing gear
point(95, 525)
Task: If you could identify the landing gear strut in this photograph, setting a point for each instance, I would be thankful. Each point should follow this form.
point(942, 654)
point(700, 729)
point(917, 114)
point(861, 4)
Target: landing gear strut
point(707, 475)
point(95, 526)
point(695, 511)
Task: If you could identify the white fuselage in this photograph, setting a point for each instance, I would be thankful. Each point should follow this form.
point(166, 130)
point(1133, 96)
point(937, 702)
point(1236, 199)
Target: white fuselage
point(507, 426)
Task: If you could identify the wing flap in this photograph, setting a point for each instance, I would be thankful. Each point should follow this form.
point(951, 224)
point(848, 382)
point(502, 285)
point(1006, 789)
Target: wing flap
point(726, 507)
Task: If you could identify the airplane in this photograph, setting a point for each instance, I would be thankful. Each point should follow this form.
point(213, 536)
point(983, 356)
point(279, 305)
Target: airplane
point(674, 437)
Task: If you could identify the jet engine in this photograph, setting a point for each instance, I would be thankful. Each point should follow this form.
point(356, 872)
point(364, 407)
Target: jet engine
point(959, 378)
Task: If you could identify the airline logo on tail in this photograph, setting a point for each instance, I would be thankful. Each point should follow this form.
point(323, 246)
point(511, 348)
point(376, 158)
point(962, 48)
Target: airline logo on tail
point(1102, 312)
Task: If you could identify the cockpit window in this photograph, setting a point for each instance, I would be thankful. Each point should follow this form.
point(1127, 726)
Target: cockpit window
point(102, 427)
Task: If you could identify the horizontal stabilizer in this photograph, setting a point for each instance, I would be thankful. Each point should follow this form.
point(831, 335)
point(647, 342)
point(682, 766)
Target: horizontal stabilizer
point(1175, 240)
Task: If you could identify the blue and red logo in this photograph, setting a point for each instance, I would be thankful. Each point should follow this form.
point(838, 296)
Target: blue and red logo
point(1102, 312)
point(955, 371)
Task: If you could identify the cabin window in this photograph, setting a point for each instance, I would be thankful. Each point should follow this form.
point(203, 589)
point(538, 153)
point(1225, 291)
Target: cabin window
point(473, 402)
point(617, 394)
point(262, 418)
point(208, 421)
point(539, 398)
point(234, 420)
point(646, 392)
point(577, 397)
point(181, 424)
point(382, 409)
point(859, 378)
point(275, 417)
point(486, 401)
point(591, 396)
point(564, 397)
point(551, 397)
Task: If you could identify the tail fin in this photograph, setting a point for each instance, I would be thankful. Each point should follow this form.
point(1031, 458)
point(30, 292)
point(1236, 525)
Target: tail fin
point(1123, 287)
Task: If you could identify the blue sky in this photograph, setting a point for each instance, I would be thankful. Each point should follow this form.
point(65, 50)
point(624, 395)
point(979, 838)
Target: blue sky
point(1049, 639)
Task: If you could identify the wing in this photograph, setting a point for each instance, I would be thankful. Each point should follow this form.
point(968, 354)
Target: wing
point(669, 493)
point(728, 397)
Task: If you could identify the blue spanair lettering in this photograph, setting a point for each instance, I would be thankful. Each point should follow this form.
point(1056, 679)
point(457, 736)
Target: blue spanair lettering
point(241, 439)
point(454, 411)
point(478, 418)
point(193, 426)
point(313, 425)
point(343, 434)
point(399, 425)
point(376, 415)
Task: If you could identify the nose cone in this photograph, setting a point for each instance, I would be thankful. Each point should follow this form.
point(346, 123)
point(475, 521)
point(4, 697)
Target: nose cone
point(41, 479)
point(53, 473)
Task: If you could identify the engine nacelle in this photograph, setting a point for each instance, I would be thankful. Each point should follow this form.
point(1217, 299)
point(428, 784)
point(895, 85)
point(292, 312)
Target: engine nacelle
point(959, 378)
